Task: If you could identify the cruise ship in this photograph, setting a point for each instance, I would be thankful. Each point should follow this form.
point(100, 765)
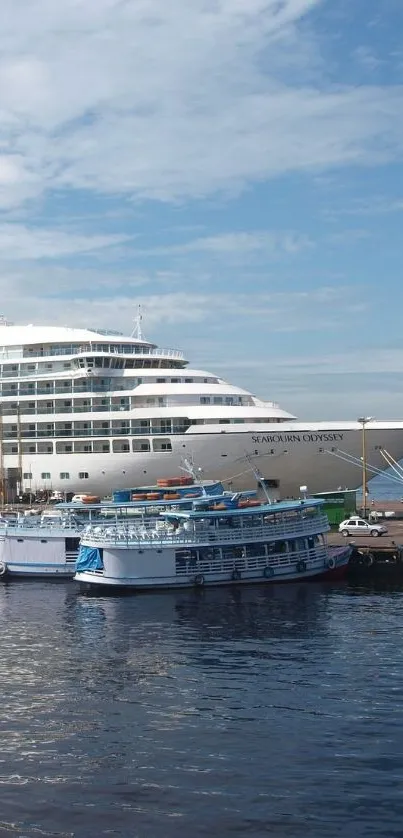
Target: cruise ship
point(88, 411)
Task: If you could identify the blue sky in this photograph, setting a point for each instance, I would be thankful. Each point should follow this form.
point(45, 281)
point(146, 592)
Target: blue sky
point(234, 166)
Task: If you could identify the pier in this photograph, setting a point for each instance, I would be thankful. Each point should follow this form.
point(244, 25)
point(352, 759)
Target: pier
point(377, 559)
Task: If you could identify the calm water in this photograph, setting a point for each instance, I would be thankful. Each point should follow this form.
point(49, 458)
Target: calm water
point(383, 487)
point(264, 711)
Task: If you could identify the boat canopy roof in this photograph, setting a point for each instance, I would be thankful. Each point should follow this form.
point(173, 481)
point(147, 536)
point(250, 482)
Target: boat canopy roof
point(161, 503)
point(263, 509)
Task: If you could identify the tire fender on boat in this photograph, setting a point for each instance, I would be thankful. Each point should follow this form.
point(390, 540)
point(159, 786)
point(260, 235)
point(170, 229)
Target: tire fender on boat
point(369, 559)
point(199, 580)
point(3, 569)
point(268, 572)
point(301, 566)
point(331, 563)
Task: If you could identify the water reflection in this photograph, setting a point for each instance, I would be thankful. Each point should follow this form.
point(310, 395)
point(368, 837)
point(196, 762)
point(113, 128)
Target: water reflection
point(220, 711)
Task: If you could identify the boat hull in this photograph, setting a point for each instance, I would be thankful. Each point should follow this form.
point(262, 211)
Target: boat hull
point(333, 568)
point(288, 457)
point(40, 553)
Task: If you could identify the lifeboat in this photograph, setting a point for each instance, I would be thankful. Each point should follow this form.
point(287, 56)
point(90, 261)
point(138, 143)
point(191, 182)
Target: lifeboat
point(138, 496)
point(165, 482)
point(153, 495)
point(244, 503)
point(90, 499)
point(172, 496)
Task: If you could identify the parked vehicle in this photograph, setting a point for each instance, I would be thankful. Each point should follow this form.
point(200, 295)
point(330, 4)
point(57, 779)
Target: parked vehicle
point(358, 526)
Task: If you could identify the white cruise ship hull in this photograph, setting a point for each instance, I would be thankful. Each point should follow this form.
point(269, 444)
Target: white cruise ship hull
point(88, 411)
point(289, 456)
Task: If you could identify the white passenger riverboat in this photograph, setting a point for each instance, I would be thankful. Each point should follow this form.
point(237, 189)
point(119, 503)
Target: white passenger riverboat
point(47, 544)
point(228, 541)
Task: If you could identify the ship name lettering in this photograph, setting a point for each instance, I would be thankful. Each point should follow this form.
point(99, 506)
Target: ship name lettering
point(331, 436)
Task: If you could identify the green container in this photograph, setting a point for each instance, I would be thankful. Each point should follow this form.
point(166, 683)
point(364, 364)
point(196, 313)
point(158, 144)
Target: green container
point(338, 505)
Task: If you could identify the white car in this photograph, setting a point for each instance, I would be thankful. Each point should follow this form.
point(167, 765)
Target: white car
point(357, 526)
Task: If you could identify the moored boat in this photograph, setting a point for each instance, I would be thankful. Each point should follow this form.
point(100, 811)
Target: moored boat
point(47, 545)
point(220, 541)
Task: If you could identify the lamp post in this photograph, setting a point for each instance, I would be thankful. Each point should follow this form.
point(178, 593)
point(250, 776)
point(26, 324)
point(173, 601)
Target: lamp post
point(363, 420)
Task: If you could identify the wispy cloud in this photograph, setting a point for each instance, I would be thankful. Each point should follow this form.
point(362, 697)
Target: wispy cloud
point(18, 242)
point(239, 243)
point(164, 101)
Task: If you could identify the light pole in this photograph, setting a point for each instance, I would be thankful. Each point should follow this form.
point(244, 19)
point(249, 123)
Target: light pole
point(363, 420)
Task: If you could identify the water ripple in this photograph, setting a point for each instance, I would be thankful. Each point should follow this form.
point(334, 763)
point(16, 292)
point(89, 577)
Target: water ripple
point(267, 711)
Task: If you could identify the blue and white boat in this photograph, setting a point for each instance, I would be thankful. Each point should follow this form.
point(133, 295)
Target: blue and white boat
point(228, 540)
point(47, 544)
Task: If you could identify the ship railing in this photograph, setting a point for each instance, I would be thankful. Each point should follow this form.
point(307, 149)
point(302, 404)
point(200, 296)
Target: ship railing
point(86, 349)
point(152, 535)
point(35, 526)
point(276, 561)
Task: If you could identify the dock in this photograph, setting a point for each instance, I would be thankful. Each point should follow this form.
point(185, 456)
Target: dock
point(378, 559)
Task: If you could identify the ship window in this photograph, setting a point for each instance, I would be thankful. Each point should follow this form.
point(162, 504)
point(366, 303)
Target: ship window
point(27, 475)
point(175, 380)
point(188, 380)
point(66, 365)
point(64, 475)
point(205, 400)
point(31, 449)
point(45, 475)
point(141, 445)
point(217, 400)
point(162, 445)
point(83, 475)
point(161, 380)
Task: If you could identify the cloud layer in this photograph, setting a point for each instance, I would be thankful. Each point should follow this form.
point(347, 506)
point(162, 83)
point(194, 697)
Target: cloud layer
point(167, 101)
point(121, 120)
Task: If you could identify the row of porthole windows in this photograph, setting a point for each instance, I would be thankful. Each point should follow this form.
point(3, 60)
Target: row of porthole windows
point(64, 475)
point(119, 446)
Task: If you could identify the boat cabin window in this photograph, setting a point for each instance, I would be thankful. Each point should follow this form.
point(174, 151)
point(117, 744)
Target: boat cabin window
point(162, 445)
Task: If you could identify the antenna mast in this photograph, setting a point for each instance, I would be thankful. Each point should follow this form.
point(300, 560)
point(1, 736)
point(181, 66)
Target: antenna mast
point(259, 477)
point(137, 332)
